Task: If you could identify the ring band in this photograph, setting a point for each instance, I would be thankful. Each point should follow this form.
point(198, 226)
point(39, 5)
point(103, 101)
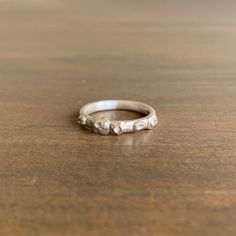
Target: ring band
point(105, 127)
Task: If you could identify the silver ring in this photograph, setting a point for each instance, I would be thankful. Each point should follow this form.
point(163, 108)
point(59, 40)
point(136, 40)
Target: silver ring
point(105, 127)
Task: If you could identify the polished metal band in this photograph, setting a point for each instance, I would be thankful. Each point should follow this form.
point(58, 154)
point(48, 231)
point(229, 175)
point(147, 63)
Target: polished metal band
point(105, 126)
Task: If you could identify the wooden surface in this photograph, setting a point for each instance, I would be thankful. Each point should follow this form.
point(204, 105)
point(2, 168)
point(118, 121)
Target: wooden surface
point(59, 179)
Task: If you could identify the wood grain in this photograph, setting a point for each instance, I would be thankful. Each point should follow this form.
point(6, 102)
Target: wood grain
point(59, 179)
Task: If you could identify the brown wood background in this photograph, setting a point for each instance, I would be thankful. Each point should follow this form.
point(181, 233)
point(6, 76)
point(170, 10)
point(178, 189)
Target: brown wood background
point(59, 179)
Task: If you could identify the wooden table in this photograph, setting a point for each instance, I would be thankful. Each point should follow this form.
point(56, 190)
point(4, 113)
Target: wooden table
point(59, 179)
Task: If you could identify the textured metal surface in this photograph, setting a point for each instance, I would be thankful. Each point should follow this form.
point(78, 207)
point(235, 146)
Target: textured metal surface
point(104, 126)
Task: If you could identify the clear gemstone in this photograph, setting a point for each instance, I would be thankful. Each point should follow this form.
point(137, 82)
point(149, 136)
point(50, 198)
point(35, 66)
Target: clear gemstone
point(152, 121)
point(139, 125)
point(105, 123)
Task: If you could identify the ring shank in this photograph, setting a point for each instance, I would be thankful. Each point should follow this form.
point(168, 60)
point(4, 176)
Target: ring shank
point(104, 126)
point(116, 105)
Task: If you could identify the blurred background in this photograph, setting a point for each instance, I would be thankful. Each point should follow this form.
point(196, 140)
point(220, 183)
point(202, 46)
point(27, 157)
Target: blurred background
point(58, 179)
point(116, 42)
point(181, 32)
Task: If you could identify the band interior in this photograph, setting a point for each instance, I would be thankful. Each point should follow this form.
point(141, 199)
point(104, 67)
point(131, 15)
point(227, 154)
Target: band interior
point(115, 105)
